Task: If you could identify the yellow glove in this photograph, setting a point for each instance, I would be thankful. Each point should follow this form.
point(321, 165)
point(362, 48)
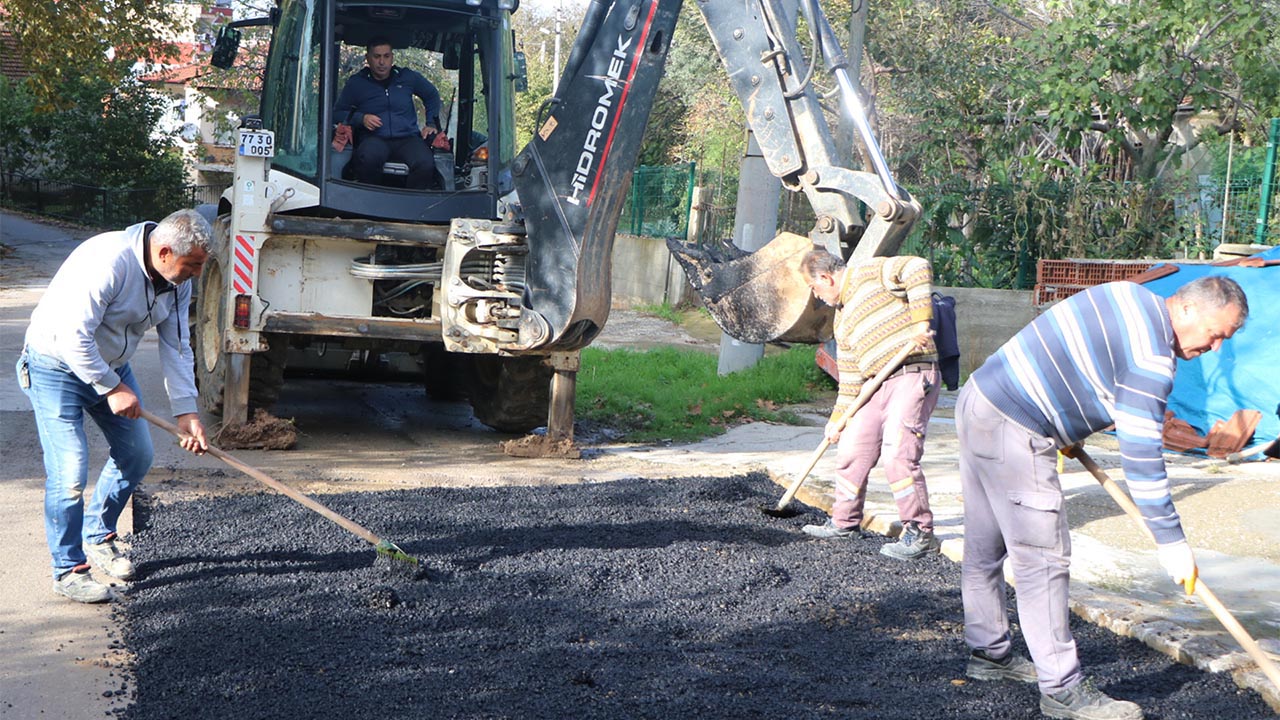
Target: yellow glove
point(1180, 563)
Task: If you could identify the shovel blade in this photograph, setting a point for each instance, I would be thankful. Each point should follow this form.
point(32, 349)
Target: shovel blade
point(758, 297)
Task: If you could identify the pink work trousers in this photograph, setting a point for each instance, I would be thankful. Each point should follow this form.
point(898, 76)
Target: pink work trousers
point(891, 425)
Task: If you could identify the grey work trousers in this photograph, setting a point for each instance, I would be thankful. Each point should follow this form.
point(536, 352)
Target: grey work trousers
point(1013, 508)
point(892, 424)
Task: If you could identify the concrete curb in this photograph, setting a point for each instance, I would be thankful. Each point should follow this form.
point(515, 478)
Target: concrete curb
point(1122, 615)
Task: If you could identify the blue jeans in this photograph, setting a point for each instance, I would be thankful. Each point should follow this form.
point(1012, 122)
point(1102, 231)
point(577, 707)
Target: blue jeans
point(60, 400)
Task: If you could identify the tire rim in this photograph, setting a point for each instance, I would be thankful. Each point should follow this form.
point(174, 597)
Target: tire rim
point(211, 315)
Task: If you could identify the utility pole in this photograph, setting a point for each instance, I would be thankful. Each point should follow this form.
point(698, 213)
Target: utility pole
point(754, 224)
point(845, 147)
point(555, 66)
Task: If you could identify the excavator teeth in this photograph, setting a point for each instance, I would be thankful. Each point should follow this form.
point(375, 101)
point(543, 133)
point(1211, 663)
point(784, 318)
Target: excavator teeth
point(758, 297)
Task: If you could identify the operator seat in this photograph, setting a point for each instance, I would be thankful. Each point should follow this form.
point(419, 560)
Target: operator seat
point(393, 173)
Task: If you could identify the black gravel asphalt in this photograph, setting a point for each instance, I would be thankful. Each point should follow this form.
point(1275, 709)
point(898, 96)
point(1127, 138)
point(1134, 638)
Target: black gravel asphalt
point(635, 599)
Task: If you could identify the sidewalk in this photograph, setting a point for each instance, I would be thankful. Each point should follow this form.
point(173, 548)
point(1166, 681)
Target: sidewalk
point(1228, 512)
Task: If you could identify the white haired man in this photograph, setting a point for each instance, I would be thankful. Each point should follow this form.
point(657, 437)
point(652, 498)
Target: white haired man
point(88, 324)
point(1101, 357)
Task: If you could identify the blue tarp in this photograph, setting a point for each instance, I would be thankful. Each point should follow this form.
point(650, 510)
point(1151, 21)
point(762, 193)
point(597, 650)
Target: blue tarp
point(1245, 373)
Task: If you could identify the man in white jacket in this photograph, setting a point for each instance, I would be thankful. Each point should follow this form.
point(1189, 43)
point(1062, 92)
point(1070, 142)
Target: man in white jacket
point(90, 321)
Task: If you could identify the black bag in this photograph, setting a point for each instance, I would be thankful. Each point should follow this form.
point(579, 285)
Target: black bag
point(947, 339)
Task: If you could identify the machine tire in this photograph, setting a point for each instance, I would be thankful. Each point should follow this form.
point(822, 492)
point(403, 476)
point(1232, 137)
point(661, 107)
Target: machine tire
point(445, 374)
point(510, 394)
point(266, 369)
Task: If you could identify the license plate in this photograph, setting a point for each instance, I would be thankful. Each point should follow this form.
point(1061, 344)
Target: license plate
point(257, 143)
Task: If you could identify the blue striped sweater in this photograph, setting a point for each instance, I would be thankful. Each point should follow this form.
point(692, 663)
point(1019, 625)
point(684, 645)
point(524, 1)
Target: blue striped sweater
point(1102, 356)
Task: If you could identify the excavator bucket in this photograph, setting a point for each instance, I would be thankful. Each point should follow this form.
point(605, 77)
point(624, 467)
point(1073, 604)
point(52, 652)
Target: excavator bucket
point(761, 296)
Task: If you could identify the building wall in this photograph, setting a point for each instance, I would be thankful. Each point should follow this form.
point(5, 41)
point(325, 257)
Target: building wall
point(986, 319)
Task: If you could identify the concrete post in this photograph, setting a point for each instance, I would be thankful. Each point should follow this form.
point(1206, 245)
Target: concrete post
point(755, 223)
point(845, 149)
point(697, 217)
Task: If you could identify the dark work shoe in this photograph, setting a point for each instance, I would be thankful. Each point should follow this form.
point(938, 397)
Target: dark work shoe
point(830, 530)
point(79, 586)
point(913, 545)
point(1010, 667)
point(1085, 702)
point(109, 558)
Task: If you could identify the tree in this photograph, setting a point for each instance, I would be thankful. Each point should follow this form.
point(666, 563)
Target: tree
point(697, 116)
point(63, 40)
point(17, 127)
point(939, 74)
point(108, 138)
point(1126, 70)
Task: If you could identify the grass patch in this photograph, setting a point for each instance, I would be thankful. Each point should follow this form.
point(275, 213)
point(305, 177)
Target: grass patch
point(671, 394)
point(666, 311)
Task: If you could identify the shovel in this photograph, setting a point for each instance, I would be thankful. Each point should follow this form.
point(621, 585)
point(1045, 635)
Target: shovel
point(385, 548)
point(1219, 610)
point(864, 395)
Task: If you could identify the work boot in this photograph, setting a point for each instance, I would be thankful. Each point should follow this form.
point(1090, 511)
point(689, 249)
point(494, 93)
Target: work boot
point(913, 545)
point(982, 666)
point(829, 530)
point(108, 558)
point(1085, 702)
point(79, 586)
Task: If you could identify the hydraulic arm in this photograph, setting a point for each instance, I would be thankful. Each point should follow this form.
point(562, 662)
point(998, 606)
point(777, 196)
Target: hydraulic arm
point(573, 177)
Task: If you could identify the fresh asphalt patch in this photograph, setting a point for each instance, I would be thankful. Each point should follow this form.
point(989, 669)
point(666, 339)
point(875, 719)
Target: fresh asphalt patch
point(632, 599)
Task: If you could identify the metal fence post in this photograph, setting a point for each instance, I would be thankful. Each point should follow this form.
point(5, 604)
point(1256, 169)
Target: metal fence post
point(1268, 183)
point(638, 208)
point(635, 191)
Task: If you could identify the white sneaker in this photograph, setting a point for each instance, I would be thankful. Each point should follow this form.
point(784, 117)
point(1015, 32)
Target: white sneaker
point(81, 587)
point(109, 559)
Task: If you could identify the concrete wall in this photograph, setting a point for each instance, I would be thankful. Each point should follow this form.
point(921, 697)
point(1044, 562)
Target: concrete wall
point(985, 319)
point(644, 273)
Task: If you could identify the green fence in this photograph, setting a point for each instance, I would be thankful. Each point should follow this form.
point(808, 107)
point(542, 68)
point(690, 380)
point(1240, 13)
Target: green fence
point(99, 206)
point(658, 204)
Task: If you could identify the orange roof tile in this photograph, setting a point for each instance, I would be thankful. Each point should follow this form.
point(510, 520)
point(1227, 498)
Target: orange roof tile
point(11, 64)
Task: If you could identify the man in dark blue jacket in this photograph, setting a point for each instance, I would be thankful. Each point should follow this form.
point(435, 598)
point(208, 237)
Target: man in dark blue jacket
point(378, 103)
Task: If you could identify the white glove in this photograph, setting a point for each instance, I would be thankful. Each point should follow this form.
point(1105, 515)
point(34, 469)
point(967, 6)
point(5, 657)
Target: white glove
point(1180, 563)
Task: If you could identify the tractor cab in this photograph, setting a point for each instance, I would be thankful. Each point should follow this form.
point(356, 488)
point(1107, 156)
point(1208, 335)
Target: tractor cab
point(464, 48)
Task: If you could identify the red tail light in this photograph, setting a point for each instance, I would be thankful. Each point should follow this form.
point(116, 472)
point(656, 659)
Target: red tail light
point(243, 303)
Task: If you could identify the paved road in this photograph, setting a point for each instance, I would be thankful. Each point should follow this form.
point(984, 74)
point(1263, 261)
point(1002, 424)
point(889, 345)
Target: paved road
point(58, 658)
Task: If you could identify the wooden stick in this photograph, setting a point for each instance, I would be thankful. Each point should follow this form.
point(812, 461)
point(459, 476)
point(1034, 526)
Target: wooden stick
point(272, 483)
point(1219, 610)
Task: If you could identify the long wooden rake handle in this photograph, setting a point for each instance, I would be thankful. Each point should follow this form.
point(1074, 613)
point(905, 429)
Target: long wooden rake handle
point(864, 395)
point(1219, 610)
point(272, 483)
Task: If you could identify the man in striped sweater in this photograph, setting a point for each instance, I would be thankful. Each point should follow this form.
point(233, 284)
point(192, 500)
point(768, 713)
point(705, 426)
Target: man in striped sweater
point(882, 305)
point(1101, 357)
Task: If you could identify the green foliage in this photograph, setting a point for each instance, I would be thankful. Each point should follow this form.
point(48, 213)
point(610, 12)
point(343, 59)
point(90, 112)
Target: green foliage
point(535, 36)
point(669, 394)
point(97, 149)
point(107, 138)
point(662, 310)
point(17, 123)
point(992, 236)
point(697, 117)
point(940, 73)
point(1124, 70)
point(90, 42)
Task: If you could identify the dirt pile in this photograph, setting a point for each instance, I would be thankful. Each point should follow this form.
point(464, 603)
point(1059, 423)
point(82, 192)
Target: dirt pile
point(264, 431)
point(634, 599)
